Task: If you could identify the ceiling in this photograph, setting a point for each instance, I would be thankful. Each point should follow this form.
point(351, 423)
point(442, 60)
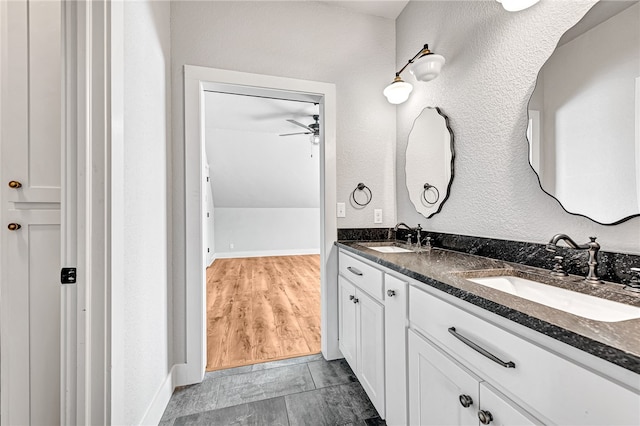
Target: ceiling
point(385, 9)
point(253, 114)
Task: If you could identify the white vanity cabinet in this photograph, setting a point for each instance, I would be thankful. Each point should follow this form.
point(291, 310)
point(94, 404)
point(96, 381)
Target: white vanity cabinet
point(418, 353)
point(550, 387)
point(444, 392)
point(361, 325)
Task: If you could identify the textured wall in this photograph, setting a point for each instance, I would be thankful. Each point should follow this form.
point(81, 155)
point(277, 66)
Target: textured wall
point(143, 341)
point(493, 58)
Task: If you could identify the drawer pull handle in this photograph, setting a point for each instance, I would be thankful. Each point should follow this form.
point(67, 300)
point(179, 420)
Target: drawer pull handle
point(485, 417)
point(391, 293)
point(355, 300)
point(466, 401)
point(354, 271)
point(480, 349)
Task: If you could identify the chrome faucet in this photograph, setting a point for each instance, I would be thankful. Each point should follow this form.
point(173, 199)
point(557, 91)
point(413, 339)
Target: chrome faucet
point(592, 246)
point(395, 229)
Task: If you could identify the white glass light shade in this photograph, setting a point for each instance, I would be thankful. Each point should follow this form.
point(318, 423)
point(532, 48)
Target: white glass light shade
point(517, 5)
point(427, 67)
point(315, 139)
point(397, 92)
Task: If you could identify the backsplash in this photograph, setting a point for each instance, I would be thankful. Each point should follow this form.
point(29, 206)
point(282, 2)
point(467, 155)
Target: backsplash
point(612, 267)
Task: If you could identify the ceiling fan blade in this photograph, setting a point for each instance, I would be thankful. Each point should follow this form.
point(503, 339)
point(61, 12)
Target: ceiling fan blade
point(300, 133)
point(299, 124)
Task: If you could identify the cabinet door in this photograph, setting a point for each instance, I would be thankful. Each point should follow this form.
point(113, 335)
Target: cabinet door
point(395, 343)
point(436, 386)
point(30, 152)
point(499, 411)
point(371, 349)
point(347, 322)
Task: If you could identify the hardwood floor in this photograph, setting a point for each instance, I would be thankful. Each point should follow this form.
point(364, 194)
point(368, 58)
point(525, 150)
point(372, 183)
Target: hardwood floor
point(262, 309)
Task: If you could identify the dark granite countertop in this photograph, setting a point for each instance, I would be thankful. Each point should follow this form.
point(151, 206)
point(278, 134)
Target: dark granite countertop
point(616, 342)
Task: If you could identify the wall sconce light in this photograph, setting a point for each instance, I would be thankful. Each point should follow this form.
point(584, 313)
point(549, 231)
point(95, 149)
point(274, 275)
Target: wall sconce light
point(426, 67)
point(517, 5)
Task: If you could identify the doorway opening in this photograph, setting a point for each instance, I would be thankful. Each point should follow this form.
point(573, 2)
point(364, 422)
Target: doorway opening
point(199, 81)
point(261, 228)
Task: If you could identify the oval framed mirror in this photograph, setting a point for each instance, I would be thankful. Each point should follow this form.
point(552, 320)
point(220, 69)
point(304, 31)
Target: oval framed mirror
point(584, 116)
point(429, 161)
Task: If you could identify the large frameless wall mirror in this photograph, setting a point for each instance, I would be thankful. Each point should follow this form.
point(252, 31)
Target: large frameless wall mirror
point(429, 161)
point(584, 116)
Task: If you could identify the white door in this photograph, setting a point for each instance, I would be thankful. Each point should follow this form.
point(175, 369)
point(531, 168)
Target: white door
point(30, 154)
point(347, 322)
point(499, 411)
point(370, 320)
point(441, 392)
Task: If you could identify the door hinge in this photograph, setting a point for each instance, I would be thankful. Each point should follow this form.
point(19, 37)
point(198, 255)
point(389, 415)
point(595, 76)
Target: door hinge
point(207, 249)
point(207, 214)
point(68, 276)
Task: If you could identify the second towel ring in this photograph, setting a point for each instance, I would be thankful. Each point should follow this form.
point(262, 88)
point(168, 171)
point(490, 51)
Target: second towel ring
point(427, 187)
point(364, 188)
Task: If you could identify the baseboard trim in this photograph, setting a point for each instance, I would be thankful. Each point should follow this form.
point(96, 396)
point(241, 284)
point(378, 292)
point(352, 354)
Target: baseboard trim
point(266, 253)
point(161, 399)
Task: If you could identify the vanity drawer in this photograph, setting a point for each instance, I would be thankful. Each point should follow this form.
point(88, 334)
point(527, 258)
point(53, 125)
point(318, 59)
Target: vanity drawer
point(361, 274)
point(546, 384)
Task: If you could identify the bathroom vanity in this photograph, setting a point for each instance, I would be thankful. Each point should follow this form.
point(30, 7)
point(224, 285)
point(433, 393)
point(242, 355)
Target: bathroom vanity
point(432, 347)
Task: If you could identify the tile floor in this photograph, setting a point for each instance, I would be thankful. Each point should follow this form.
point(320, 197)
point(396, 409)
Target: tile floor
point(291, 392)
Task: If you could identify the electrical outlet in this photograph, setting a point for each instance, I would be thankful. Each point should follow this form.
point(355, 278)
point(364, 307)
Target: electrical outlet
point(341, 210)
point(377, 215)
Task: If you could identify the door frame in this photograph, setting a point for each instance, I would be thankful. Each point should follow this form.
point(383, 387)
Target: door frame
point(196, 80)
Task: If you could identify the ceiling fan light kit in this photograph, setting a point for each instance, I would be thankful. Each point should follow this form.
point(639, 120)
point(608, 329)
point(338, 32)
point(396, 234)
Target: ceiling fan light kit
point(425, 66)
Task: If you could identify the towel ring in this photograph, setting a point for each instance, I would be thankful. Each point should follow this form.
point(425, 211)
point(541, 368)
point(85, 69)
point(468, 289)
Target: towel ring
point(364, 188)
point(427, 187)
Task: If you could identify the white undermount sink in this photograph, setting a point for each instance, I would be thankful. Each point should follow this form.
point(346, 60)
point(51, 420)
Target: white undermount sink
point(580, 304)
point(390, 249)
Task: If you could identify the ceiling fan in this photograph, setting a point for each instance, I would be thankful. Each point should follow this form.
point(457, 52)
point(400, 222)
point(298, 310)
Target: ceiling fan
point(312, 129)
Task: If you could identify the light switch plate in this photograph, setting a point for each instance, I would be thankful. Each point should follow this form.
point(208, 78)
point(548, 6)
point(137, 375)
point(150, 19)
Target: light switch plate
point(377, 215)
point(341, 210)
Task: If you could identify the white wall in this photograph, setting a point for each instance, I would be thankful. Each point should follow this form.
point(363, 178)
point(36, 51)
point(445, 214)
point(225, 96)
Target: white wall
point(305, 40)
point(266, 231)
point(266, 192)
point(493, 58)
point(143, 341)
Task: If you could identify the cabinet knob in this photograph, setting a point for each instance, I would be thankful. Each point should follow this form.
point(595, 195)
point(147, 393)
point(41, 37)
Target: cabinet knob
point(351, 297)
point(14, 184)
point(485, 417)
point(14, 226)
point(355, 300)
point(391, 293)
point(466, 401)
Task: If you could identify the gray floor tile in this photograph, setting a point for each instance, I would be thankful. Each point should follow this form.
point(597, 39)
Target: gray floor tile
point(375, 421)
point(285, 362)
point(228, 372)
point(330, 373)
point(258, 385)
point(335, 405)
point(192, 399)
point(270, 412)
